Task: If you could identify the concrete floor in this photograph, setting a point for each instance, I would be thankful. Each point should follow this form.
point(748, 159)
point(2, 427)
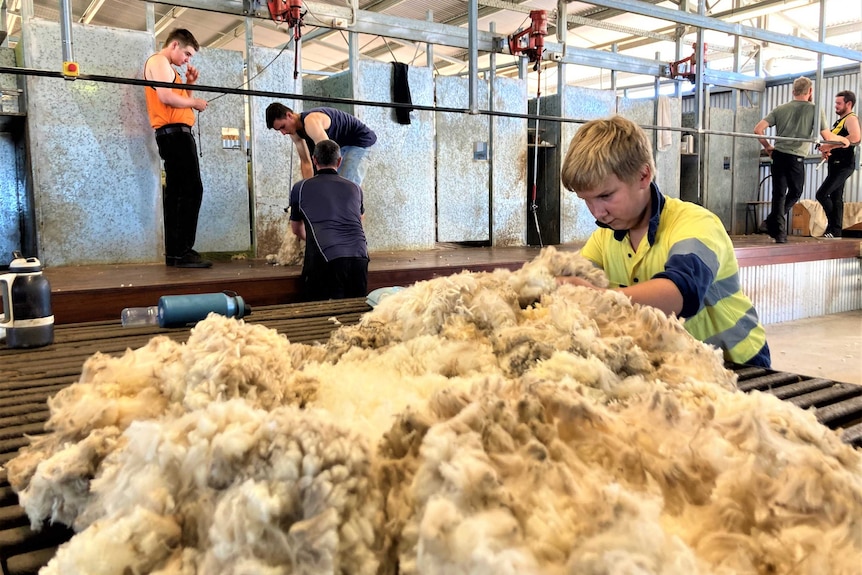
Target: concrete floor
point(829, 346)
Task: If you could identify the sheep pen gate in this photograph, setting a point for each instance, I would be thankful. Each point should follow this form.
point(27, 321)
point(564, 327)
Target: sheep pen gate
point(29, 377)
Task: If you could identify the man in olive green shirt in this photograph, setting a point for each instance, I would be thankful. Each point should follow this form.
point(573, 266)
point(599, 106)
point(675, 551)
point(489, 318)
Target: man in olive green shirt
point(795, 119)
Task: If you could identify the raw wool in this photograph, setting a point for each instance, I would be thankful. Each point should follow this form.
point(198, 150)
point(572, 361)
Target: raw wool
point(291, 252)
point(52, 474)
point(538, 276)
point(578, 434)
point(794, 486)
point(222, 359)
point(463, 306)
point(137, 542)
point(497, 490)
point(628, 339)
point(225, 358)
point(59, 487)
point(554, 482)
point(282, 491)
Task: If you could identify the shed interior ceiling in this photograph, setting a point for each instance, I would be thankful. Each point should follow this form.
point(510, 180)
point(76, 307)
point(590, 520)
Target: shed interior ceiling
point(593, 27)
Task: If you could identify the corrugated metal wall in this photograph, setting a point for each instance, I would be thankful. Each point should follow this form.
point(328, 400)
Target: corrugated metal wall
point(833, 82)
point(785, 292)
point(779, 91)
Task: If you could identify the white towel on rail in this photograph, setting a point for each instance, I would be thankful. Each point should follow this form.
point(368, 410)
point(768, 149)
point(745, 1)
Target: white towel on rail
point(665, 137)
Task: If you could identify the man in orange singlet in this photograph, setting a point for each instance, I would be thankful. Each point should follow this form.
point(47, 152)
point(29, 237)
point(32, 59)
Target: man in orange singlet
point(171, 112)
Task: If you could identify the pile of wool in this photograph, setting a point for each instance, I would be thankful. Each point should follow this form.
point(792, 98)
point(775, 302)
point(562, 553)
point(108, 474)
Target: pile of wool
point(499, 423)
point(230, 489)
point(222, 360)
point(542, 478)
point(291, 252)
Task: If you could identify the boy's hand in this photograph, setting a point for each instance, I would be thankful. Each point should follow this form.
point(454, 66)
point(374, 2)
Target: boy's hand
point(577, 282)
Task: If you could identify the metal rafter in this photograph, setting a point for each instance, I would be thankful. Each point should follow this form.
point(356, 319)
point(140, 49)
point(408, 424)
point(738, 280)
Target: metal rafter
point(709, 23)
point(91, 11)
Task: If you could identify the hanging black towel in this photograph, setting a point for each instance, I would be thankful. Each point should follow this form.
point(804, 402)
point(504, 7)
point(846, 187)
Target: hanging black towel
point(401, 92)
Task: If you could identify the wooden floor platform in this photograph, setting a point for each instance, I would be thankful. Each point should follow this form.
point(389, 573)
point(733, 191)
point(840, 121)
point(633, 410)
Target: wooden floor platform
point(29, 377)
point(100, 292)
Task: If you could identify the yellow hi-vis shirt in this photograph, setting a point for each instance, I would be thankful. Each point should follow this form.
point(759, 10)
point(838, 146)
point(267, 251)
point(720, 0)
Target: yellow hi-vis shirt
point(688, 245)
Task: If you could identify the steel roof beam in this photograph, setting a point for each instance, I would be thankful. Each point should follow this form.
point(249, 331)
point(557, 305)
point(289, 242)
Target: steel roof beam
point(708, 23)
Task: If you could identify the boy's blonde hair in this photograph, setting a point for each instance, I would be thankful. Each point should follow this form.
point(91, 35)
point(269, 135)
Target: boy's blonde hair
point(614, 146)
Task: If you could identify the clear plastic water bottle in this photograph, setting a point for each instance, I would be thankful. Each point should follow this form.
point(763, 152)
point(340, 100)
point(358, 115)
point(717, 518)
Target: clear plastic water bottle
point(138, 316)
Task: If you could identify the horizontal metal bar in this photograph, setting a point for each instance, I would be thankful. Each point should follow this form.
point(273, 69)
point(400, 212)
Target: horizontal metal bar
point(801, 387)
point(602, 59)
point(841, 411)
point(733, 80)
point(707, 23)
point(314, 98)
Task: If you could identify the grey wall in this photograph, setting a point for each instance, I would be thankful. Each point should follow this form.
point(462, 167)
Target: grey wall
point(273, 154)
point(463, 199)
point(746, 164)
point(96, 170)
point(223, 225)
point(95, 176)
point(399, 185)
point(13, 200)
point(576, 222)
point(643, 112)
point(335, 86)
point(718, 191)
point(9, 103)
point(509, 164)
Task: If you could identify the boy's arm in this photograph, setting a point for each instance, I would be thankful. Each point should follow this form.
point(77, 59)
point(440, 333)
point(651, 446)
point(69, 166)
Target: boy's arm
point(679, 289)
point(661, 293)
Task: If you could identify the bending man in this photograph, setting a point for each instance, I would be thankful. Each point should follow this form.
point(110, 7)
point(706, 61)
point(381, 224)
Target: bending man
point(312, 127)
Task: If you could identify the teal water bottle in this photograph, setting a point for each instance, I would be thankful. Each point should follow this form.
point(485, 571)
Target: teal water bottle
point(180, 310)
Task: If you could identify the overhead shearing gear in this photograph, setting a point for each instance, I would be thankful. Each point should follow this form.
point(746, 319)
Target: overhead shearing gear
point(289, 12)
point(687, 67)
point(531, 43)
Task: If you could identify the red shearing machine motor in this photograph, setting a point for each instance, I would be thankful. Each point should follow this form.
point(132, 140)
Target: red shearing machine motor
point(687, 67)
point(531, 41)
point(285, 11)
point(290, 13)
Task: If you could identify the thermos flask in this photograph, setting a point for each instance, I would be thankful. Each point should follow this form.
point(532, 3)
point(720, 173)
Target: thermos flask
point(181, 310)
point(27, 316)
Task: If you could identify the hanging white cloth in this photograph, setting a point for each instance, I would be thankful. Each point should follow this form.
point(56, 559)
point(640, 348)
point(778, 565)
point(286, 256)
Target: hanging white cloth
point(665, 137)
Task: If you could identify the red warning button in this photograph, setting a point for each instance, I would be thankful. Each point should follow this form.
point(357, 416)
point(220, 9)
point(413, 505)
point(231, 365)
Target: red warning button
point(70, 68)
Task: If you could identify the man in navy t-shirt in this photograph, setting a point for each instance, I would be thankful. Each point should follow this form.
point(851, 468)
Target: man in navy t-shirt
point(317, 124)
point(326, 211)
